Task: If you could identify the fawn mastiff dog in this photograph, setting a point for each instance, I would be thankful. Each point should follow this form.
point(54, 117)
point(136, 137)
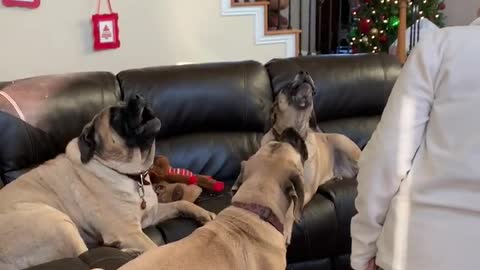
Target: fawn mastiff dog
point(248, 234)
point(97, 193)
point(330, 156)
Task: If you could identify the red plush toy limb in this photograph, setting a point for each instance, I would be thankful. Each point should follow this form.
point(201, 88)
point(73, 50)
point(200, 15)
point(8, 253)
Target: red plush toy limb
point(209, 183)
point(203, 181)
point(192, 179)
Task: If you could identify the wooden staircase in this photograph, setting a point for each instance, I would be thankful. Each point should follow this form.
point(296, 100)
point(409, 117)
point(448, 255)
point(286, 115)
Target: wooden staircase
point(267, 31)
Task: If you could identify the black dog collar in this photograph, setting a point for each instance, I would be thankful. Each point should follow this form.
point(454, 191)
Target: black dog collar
point(139, 178)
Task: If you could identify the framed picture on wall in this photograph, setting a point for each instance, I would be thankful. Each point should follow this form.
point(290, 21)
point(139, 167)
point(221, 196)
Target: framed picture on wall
point(21, 3)
point(105, 31)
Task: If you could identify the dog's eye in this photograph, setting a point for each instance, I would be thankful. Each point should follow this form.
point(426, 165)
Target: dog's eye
point(159, 189)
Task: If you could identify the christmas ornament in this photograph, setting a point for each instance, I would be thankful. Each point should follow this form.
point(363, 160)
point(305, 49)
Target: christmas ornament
point(383, 38)
point(365, 39)
point(442, 6)
point(367, 1)
point(354, 50)
point(354, 32)
point(22, 3)
point(105, 29)
point(374, 31)
point(364, 26)
point(355, 12)
point(393, 22)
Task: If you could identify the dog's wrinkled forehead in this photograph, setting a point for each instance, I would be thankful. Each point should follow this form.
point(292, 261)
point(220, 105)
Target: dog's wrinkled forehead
point(289, 146)
point(303, 77)
point(273, 160)
point(302, 84)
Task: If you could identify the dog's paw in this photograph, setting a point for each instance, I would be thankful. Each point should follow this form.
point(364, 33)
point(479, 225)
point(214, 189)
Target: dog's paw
point(132, 252)
point(205, 216)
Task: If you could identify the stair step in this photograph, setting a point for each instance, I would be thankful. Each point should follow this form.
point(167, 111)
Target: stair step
point(270, 32)
point(243, 4)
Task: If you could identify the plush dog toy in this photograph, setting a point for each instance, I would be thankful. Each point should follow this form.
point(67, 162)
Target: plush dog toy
point(163, 172)
point(171, 192)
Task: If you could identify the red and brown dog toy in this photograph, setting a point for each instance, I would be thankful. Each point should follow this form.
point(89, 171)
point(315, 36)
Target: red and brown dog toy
point(162, 171)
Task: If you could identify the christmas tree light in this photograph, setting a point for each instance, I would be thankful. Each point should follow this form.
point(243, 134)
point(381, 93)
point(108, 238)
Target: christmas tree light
point(375, 22)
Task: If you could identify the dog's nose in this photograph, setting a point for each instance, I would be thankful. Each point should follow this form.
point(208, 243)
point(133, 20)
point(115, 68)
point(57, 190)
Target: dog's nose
point(304, 99)
point(139, 99)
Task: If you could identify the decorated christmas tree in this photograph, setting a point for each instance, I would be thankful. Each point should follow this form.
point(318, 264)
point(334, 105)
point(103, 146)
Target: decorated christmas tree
point(375, 22)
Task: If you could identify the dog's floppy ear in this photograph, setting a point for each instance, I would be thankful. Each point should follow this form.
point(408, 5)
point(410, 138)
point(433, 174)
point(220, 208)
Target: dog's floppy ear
point(239, 180)
point(311, 82)
point(295, 192)
point(86, 143)
point(273, 115)
point(346, 154)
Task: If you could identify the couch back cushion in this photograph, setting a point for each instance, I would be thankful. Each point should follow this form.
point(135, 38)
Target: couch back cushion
point(351, 90)
point(54, 109)
point(212, 115)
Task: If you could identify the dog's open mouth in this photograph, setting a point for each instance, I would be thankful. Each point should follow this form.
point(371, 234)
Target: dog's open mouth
point(302, 96)
point(300, 101)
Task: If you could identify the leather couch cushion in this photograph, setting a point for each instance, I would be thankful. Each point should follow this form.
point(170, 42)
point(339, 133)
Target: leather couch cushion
point(324, 264)
point(314, 237)
point(347, 86)
point(22, 146)
point(56, 108)
point(205, 97)
point(342, 194)
point(358, 129)
point(61, 104)
point(215, 154)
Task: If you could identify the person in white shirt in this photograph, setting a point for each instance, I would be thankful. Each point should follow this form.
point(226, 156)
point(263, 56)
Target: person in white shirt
point(419, 181)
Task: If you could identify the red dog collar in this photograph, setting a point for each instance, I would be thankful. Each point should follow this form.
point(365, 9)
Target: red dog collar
point(265, 213)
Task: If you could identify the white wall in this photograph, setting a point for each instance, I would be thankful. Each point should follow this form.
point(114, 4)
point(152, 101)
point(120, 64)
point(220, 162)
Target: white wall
point(57, 38)
point(461, 12)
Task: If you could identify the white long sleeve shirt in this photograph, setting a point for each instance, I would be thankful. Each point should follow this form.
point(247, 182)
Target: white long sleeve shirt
point(419, 181)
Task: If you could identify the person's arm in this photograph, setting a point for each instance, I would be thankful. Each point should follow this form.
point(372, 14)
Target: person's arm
point(388, 156)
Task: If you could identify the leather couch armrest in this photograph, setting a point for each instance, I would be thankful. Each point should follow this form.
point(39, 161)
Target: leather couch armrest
point(342, 193)
point(155, 234)
point(68, 263)
point(104, 258)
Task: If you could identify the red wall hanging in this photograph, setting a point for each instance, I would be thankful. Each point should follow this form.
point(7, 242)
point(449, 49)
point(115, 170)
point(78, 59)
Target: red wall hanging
point(105, 29)
point(22, 3)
